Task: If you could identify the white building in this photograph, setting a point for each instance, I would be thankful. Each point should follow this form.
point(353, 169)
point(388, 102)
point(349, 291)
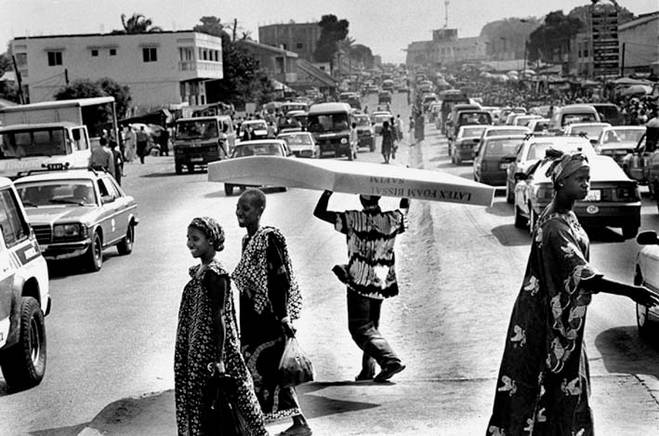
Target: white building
point(160, 68)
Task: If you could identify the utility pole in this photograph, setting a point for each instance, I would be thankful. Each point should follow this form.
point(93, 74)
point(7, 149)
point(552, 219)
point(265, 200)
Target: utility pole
point(66, 76)
point(622, 60)
point(446, 3)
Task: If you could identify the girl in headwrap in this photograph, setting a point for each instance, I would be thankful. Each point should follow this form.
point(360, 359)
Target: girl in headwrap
point(543, 383)
point(207, 345)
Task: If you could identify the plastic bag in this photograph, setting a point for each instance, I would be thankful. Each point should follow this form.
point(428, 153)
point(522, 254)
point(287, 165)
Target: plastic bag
point(294, 367)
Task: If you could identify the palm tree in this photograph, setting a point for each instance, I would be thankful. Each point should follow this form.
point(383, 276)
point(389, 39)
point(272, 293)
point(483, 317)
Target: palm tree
point(138, 23)
point(344, 47)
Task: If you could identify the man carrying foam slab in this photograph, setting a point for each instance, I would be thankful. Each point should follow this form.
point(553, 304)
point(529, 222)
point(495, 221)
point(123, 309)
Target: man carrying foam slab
point(369, 275)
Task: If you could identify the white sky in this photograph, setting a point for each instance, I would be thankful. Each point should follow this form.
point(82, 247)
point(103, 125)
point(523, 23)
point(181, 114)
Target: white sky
point(387, 26)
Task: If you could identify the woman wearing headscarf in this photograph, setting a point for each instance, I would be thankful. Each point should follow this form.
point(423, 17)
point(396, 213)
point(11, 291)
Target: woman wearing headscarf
point(207, 345)
point(270, 301)
point(387, 141)
point(543, 383)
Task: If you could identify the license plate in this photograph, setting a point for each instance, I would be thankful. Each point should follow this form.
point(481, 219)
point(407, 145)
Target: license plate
point(504, 166)
point(593, 195)
point(196, 159)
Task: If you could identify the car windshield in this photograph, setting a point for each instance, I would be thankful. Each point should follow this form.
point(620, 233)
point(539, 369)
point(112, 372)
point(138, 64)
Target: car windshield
point(254, 125)
point(53, 192)
point(33, 142)
point(472, 131)
point(622, 135)
point(293, 140)
point(504, 132)
point(328, 122)
point(502, 147)
point(475, 118)
point(362, 121)
point(196, 129)
point(590, 131)
point(266, 149)
point(537, 149)
point(578, 118)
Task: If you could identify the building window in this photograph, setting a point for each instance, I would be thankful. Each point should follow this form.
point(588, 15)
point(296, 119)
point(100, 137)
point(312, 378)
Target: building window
point(299, 45)
point(149, 54)
point(585, 52)
point(94, 52)
point(54, 58)
point(113, 52)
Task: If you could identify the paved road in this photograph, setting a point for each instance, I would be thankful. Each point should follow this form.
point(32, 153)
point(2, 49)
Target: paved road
point(111, 333)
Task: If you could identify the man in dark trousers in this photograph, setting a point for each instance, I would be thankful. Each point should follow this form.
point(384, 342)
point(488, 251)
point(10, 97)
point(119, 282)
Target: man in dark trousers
point(370, 276)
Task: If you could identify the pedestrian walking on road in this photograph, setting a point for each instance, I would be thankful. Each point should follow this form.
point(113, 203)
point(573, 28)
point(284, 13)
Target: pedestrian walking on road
point(270, 301)
point(101, 157)
point(118, 161)
point(544, 384)
point(142, 142)
point(370, 276)
point(387, 141)
point(129, 144)
point(207, 344)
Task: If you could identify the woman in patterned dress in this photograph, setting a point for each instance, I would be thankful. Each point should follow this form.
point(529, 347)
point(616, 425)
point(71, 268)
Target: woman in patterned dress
point(269, 301)
point(543, 383)
point(207, 340)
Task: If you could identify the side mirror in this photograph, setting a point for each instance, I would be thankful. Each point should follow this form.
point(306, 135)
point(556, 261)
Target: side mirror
point(648, 237)
point(594, 141)
point(107, 199)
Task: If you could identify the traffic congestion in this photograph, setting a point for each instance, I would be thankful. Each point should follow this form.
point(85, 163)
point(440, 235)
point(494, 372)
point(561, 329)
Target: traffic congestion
point(402, 248)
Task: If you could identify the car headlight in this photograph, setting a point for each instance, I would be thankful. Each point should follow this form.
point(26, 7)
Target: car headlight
point(69, 230)
point(344, 141)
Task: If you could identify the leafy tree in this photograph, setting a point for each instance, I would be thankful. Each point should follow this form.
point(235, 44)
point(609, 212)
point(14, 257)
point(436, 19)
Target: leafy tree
point(243, 81)
point(362, 54)
point(97, 117)
point(137, 23)
point(553, 36)
point(332, 31)
point(508, 35)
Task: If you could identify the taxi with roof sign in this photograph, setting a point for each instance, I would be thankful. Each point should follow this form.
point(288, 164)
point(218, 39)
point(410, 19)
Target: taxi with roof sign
point(78, 213)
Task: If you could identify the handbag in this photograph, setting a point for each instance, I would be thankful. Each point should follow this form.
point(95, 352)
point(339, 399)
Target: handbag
point(225, 419)
point(294, 367)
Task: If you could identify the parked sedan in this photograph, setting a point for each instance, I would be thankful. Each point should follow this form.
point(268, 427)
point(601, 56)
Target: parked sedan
point(263, 147)
point(302, 144)
point(613, 200)
point(646, 273)
point(533, 149)
point(495, 153)
point(619, 141)
point(465, 141)
point(78, 214)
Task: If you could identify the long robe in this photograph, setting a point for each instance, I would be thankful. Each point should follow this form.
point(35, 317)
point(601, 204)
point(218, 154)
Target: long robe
point(544, 384)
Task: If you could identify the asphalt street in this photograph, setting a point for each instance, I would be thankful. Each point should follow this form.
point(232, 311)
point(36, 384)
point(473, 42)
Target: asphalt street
point(111, 334)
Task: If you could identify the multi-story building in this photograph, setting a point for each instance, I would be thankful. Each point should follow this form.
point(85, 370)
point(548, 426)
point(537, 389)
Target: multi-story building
point(160, 68)
point(277, 63)
point(445, 49)
point(639, 43)
point(300, 38)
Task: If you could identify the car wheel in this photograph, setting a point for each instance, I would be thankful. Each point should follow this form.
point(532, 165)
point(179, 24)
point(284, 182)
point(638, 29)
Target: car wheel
point(228, 189)
point(520, 221)
point(629, 231)
point(178, 168)
point(125, 246)
point(94, 255)
point(24, 364)
point(191, 168)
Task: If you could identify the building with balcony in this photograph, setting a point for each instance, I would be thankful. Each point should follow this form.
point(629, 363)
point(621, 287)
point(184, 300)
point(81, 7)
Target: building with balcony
point(160, 68)
point(277, 63)
point(300, 38)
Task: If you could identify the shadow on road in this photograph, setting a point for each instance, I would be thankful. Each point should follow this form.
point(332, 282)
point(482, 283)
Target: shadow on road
point(172, 173)
point(72, 267)
point(500, 208)
point(62, 431)
point(623, 351)
point(316, 406)
point(510, 236)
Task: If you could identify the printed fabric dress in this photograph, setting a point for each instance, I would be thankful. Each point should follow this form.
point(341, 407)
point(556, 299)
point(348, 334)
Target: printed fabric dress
point(268, 292)
point(544, 383)
point(196, 347)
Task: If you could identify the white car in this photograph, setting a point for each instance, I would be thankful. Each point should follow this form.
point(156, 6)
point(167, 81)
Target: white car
point(524, 120)
point(618, 141)
point(590, 130)
point(302, 144)
point(646, 273)
point(259, 129)
point(533, 149)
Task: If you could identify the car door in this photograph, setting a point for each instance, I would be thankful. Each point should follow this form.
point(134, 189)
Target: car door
point(124, 206)
point(106, 217)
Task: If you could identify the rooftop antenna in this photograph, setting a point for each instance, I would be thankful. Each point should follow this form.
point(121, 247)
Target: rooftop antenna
point(446, 2)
